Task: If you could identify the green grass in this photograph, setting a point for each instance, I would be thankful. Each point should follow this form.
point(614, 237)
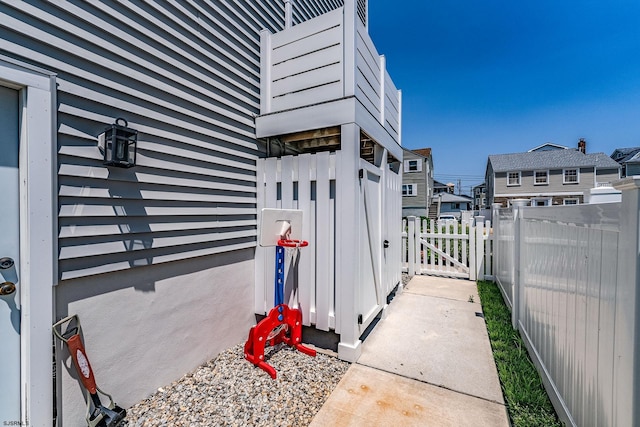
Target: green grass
point(527, 401)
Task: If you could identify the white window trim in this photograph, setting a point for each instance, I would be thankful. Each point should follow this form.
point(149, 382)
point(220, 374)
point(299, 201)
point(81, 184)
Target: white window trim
point(564, 176)
point(412, 190)
point(519, 179)
point(418, 165)
point(540, 183)
point(38, 227)
point(548, 201)
point(564, 201)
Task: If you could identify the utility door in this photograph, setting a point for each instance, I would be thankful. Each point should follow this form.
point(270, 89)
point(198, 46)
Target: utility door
point(9, 255)
point(371, 296)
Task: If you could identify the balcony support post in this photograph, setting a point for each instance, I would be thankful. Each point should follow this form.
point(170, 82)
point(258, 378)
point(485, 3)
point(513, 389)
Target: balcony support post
point(350, 28)
point(265, 72)
point(347, 252)
point(383, 72)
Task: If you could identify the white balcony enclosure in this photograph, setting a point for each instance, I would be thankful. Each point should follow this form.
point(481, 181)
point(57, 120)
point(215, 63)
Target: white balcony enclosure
point(326, 72)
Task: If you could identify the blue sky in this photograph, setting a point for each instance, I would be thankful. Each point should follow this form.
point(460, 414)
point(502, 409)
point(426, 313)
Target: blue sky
point(492, 77)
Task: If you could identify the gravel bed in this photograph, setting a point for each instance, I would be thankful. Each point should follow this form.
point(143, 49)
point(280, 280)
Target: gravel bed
point(405, 279)
point(230, 391)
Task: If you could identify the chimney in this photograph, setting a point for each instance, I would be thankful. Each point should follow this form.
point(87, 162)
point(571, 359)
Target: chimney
point(582, 146)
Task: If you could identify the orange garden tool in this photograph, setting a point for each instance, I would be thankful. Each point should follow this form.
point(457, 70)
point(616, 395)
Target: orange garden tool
point(282, 325)
point(98, 415)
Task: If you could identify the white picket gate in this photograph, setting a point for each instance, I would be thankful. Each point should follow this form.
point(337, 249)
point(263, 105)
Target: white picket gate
point(447, 248)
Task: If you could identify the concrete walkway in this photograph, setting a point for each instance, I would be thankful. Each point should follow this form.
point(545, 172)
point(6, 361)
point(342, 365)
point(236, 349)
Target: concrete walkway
point(428, 363)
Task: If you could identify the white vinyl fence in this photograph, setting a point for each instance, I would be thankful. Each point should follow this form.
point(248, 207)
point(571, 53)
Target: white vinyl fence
point(448, 248)
point(570, 275)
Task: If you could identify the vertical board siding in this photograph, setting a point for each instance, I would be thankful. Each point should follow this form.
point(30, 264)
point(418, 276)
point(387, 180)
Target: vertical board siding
point(392, 231)
point(313, 176)
point(186, 76)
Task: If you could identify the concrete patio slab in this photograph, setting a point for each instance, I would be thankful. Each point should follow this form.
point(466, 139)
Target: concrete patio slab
point(370, 397)
point(437, 340)
point(443, 287)
point(428, 362)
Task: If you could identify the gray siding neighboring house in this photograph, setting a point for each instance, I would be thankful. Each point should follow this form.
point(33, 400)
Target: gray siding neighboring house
point(479, 193)
point(629, 160)
point(454, 204)
point(633, 165)
point(547, 176)
point(417, 182)
point(164, 249)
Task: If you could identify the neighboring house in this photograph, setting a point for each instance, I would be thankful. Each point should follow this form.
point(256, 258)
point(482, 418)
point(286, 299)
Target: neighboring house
point(629, 160)
point(453, 204)
point(632, 166)
point(439, 187)
point(480, 196)
point(417, 182)
point(549, 176)
point(159, 260)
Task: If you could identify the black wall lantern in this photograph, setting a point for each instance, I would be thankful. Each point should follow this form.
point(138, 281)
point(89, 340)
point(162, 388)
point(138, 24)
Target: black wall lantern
point(118, 144)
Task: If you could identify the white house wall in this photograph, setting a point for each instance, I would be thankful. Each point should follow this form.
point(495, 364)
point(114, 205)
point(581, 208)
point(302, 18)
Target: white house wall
point(186, 76)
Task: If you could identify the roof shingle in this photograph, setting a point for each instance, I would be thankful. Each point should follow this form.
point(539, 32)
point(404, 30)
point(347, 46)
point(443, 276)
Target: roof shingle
point(555, 159)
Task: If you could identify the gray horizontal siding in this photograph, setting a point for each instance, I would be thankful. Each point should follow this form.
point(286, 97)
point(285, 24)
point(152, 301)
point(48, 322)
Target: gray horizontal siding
point(301, 10)
point(186, 76)
point(555, 185)
point(607, 175)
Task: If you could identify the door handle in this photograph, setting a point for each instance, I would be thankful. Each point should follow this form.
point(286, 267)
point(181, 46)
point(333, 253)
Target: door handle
point(7, 288)
point(385, 244)
point(6, 263)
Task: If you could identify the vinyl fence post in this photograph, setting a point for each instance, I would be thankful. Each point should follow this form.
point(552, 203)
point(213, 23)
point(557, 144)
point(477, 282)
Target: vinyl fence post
point(472, 251)
point(495, 221)
point(418, 247)
point(480, 247)
point(518, 244)
point(411, 236)
point(626, 368)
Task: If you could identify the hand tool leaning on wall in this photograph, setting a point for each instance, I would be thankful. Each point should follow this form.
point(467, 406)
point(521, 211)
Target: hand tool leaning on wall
point(97, 415)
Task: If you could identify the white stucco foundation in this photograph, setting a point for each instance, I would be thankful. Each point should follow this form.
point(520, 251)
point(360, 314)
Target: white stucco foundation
point(148, 326)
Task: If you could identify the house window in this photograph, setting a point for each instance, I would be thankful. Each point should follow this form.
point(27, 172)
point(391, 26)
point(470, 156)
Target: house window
point(413, 165)
point(513, 178)
point(541, 177)
point(409, 189)
point(570, 202)
point(571, 176)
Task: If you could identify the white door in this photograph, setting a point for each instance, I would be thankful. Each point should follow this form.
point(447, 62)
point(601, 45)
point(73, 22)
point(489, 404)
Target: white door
point(371, 294)
point(9, 256)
